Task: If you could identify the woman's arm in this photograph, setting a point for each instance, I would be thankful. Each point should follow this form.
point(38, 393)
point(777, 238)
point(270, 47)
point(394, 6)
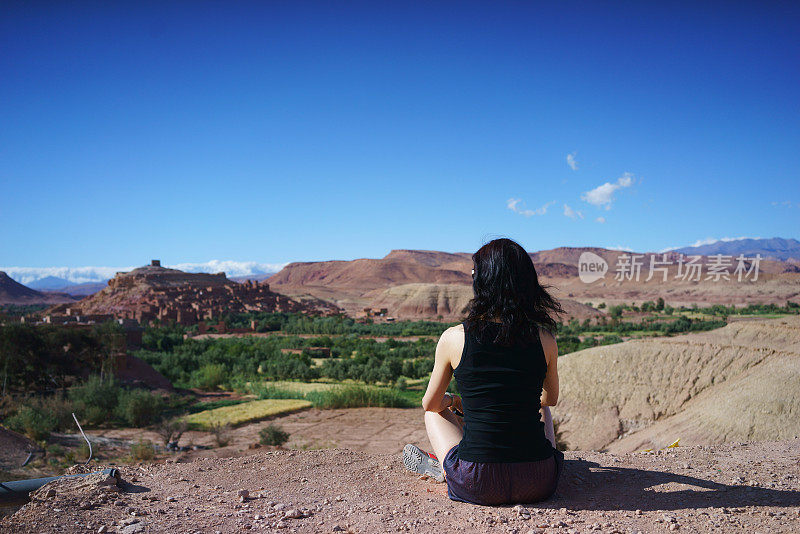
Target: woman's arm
point(434, 399)
point(550, 388)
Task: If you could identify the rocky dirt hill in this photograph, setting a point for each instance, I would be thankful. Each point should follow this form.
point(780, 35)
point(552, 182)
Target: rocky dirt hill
point(418, 300)
point(157, 292)
point(737, 383)
point(749, 487)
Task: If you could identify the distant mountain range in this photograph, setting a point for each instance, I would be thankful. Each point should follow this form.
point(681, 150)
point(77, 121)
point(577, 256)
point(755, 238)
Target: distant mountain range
point(420, 283)
point(775, 248)
point(61, 285)
point(12, 292)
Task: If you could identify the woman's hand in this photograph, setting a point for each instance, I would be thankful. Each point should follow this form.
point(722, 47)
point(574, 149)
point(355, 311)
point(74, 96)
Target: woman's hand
point(456, 405)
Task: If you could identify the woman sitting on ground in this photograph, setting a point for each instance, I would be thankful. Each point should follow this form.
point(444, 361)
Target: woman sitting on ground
point(503, 357)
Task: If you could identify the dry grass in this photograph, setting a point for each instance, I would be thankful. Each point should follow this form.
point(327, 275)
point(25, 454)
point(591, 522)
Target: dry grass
point(247, 412)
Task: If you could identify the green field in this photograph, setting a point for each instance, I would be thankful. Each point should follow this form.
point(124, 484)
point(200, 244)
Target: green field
point(246, 412)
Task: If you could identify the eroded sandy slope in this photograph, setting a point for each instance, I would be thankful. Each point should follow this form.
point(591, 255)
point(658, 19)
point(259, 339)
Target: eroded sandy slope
point(740, 382)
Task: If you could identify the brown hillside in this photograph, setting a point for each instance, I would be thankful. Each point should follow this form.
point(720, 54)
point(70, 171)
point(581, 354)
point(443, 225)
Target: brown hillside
point(381, 283)
point(411, 284)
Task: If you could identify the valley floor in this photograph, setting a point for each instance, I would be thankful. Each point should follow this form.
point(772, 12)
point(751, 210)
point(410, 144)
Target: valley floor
point(753, 487)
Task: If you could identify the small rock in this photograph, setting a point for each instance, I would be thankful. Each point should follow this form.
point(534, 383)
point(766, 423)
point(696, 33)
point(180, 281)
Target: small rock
point(674, 526)
point(292, 514)
point(171, 499)
point(102, 529)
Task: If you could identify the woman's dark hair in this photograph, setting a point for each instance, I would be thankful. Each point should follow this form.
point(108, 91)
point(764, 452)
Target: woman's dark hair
point(507, 290)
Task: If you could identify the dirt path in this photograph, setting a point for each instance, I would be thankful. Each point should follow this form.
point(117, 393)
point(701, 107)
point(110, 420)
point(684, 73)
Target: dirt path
point(750, 487)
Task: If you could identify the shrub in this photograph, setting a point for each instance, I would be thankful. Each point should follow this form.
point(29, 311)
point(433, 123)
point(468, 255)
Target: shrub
point(95, 400)
point(143, 450)
point(171, 430)
point(33, 421)
point(209, 377)
point(401, 384)
point(221, 432)
point(138, 407)
point(38, 417)
point(273, 434)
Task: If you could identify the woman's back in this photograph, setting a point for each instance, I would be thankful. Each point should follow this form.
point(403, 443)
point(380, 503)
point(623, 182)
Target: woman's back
point(500, 391)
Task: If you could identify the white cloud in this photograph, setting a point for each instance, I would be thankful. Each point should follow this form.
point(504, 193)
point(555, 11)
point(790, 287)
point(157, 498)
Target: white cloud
point(517, 206)
point(572, 162)
point(229, 267)
point(620, 247)
point(571, 213)
point(601, 220)
point(603, 195)
point(80, 275)
point(784, 203)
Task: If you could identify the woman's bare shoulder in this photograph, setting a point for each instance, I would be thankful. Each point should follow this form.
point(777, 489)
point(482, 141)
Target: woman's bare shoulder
point(453, 334)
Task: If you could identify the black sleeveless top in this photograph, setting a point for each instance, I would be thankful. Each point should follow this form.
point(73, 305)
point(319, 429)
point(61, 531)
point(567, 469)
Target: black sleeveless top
point(501, 390)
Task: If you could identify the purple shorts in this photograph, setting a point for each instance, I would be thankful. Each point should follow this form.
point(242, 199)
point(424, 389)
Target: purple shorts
point(494, 483)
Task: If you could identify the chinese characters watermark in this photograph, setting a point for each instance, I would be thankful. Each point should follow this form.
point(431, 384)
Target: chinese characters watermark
point(592, 267)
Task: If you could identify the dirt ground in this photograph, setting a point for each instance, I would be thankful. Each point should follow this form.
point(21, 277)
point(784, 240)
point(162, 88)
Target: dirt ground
point(380, 430)
point(750, 487)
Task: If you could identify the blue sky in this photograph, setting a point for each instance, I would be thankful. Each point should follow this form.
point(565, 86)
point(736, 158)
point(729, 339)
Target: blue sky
point(296, 131)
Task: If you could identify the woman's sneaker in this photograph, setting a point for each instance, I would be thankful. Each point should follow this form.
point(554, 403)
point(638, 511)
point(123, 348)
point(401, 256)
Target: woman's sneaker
point(424, 463)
